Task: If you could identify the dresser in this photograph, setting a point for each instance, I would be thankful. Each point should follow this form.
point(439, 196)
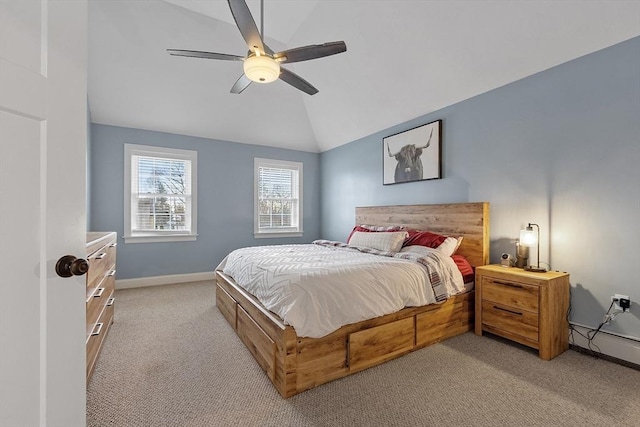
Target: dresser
point(101, 255)
point(525, 307)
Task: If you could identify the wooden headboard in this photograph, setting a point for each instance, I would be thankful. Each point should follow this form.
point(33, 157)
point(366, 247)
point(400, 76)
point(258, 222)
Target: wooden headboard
point(469, 220)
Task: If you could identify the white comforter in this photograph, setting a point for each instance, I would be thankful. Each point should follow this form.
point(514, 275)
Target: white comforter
point(317, 289)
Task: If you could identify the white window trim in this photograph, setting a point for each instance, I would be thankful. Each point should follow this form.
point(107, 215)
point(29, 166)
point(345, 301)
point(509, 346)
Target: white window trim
point(284, 164)
point(165, 236)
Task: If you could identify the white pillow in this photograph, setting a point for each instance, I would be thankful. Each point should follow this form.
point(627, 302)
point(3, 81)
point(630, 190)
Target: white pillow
point(446, 248)
point(449, 246)
point(418, 250)
point(382, 241)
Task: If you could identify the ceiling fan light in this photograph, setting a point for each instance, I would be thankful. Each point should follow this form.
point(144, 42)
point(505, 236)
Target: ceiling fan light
point(261, 69)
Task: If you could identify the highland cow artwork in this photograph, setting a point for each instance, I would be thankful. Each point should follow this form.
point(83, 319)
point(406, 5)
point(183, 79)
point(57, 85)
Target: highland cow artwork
point(412, 155)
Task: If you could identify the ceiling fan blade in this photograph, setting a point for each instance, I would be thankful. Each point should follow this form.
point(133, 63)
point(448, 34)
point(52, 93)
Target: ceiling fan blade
point(240, 85)
point(206, 55)
point(296, 81)
point(247, 25)
point(314, 51)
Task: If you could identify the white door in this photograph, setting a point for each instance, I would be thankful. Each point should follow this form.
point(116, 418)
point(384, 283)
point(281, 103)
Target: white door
point(43, 136)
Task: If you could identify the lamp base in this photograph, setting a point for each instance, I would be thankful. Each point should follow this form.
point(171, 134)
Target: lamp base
point(533, 269)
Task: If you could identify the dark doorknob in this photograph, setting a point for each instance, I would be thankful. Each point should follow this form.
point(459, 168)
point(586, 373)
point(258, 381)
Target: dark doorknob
point(69, 265)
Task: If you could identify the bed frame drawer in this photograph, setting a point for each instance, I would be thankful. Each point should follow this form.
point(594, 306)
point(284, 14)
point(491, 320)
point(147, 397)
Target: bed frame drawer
point(373, 346)
point(227, 306)
point(257, 341)
point(445, 320)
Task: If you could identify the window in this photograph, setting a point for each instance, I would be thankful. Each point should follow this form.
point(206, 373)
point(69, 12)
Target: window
point(278, 198)
point(159, 194)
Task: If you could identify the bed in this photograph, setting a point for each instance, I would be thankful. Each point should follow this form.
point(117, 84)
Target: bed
point(294, 363)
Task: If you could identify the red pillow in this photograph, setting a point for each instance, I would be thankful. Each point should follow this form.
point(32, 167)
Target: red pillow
point(424, 238)
point(357, 228)
point(465, 268)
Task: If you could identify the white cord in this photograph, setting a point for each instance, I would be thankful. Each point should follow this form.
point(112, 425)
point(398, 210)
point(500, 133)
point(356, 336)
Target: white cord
point(609, 317)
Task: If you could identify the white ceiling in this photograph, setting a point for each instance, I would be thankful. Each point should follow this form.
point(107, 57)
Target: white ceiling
point(404, 59)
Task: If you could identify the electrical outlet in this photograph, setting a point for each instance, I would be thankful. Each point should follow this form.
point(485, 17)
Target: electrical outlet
point(617, 298)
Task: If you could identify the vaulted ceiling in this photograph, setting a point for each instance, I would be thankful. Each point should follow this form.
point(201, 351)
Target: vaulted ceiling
point(404, 59)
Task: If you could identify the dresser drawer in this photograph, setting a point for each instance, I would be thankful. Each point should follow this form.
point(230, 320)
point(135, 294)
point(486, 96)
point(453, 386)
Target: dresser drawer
point(97, 302)
point(95, 290)
point(100, 262)
point(100, 291)
point(501, 319)
point(510, 293)
point(97, 335)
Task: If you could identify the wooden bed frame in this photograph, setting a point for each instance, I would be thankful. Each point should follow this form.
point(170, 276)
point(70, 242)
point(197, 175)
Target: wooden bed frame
point(295, 364)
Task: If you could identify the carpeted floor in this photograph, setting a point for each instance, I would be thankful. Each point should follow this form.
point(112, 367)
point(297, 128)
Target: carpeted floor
point(171, 359)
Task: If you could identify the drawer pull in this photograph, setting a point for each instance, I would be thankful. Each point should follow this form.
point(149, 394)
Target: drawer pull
point(111, 273)
point(101, 256)
point(113, 245)
point(513, 285)
point(99, 293)
point(110, 302)
point(508, 311)
point(99, 329)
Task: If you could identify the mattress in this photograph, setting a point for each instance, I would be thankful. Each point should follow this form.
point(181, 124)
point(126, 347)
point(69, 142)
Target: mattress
point(320, 287)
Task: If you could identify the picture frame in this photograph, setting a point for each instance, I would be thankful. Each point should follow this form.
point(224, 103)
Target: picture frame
point(413, 154)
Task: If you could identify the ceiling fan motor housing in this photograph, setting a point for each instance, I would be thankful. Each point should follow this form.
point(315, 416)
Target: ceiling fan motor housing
point(261, 69)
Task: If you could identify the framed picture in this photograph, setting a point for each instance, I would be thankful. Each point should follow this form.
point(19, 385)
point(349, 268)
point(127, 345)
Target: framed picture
point(412, 155)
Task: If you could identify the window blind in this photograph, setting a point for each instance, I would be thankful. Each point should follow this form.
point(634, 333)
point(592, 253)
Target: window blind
point(161, 194)
point(278, 196)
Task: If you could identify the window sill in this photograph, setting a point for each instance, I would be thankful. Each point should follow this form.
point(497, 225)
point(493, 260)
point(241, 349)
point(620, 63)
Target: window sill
point(161, 238)
point(272, 235)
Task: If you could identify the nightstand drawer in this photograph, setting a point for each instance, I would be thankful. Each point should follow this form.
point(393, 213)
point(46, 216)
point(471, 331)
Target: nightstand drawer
point(510, 293)
point(503, 318)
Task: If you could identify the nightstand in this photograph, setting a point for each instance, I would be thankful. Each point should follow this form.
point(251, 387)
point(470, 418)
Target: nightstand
point(525, 307)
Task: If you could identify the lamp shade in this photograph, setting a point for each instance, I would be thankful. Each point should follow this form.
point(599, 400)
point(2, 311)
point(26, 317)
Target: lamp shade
point(528, 237)
point(261, 69)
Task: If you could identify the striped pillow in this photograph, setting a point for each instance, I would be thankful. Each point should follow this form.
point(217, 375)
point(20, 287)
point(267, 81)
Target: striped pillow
point(382, 241)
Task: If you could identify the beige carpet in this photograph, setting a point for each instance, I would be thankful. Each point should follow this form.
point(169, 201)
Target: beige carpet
point(172, 360)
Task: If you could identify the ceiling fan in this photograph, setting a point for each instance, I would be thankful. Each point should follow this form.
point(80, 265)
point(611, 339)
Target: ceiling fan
point(262, 65)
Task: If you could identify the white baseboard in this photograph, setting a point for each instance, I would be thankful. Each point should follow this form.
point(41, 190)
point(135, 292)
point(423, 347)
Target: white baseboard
point(164, 280)
point(609, 344)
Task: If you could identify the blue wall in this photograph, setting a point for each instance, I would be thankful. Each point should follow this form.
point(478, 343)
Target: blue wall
point(225, 200)
point(560, 149)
